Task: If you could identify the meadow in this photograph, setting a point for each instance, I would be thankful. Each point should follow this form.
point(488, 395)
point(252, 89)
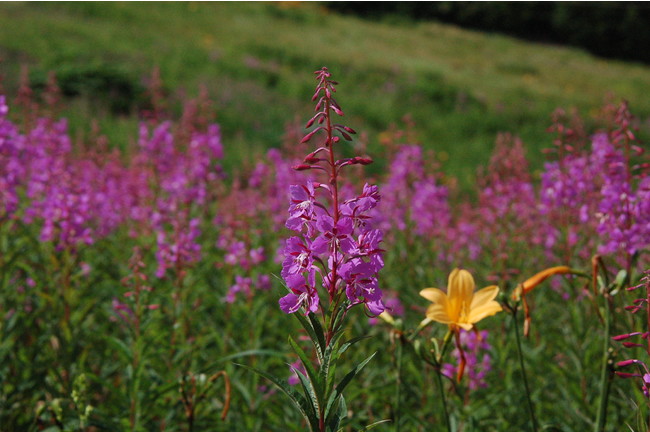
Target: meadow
point(186, 244)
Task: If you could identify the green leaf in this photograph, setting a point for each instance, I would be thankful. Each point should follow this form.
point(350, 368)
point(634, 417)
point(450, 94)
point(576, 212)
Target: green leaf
point(317, 339)
point(248, 353)
point(342, 412)
point(298, 399)
point(121, 347)
point(316, 384)
point(348, 344)
point(338, 319)
point(331, 348)
point(314, 407)
point(372, 426)
point(338, 391)
point(318, 330)
point(328, 367)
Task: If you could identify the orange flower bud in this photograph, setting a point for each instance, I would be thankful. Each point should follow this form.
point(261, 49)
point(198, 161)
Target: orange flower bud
point(540, 277)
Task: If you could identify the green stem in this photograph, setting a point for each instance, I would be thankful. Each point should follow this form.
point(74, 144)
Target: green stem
point(520, 352)
point(443, 397)
point(398, 383)
point(605, 373)
point(134, 417)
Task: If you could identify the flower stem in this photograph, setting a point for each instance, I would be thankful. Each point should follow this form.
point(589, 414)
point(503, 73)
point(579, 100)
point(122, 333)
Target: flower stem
point(520, 352)
point(606, 371)
point(443, 397)
point(398, 383)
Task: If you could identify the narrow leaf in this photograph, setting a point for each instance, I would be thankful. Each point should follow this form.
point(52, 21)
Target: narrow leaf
point(121, 347)
point(328, 366)
point(373, 425)
point(316, 338)
point(254, 352)
point(342, 412)
point(316, 382)
point(308, 389)
point(338, 391)
point(349, 343)
point(318, 330)
point(298, 399)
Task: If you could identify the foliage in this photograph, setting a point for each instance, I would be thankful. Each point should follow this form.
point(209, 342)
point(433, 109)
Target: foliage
point(134, 279)
point(461, 88)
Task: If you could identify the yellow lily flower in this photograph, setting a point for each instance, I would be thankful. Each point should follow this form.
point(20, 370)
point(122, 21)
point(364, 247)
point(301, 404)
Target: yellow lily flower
point(461, 307)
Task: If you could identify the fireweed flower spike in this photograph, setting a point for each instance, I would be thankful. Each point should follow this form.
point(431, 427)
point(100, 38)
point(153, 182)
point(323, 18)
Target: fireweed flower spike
point(330, 264)
point(461, 307)
point(337, 242)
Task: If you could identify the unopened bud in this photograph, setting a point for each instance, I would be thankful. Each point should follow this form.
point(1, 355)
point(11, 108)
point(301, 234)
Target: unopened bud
point(627, 363)
point(312, 160)
point(301, 167)
point(362, 161)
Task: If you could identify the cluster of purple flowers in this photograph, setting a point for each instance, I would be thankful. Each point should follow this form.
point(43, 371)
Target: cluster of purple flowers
point(596, 199)
point(413, 195)
point(77, 196)
point(76, 199)
point(185, 175)
point(348, 251)
point(245, 259)
point(11, 146)
point(338, 243)
point(593, 198)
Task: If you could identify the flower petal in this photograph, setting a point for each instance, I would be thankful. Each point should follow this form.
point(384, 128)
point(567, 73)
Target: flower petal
point(434, 295)
point(484, 296)
point(461, 285)
point(438, 312)
point(484, 311)
point(459, 294)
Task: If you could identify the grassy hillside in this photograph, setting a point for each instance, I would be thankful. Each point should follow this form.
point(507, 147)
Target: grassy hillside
point(256, 59)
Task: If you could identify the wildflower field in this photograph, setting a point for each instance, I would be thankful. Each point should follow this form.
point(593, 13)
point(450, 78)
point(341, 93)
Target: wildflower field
point(158, 272)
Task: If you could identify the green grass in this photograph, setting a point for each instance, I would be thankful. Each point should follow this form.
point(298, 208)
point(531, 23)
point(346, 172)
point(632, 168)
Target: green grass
point(460, 87)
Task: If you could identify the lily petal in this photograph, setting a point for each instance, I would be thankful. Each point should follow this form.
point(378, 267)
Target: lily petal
point(461, 284)
point(459, 292)
point(484, 296)
point(438, 312)
point(434, 295)
point(484, 311)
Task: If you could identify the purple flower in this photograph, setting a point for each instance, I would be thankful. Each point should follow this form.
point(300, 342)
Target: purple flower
point(361, 285)
point(242, 285)
point(303, 293)
point(330, 234)
point(301, 210)
point(368, 246)
point(298, 256)
point(264, 282)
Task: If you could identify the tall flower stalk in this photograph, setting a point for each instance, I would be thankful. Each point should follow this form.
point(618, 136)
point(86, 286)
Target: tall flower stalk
point(330, 266)
point(637, 368)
